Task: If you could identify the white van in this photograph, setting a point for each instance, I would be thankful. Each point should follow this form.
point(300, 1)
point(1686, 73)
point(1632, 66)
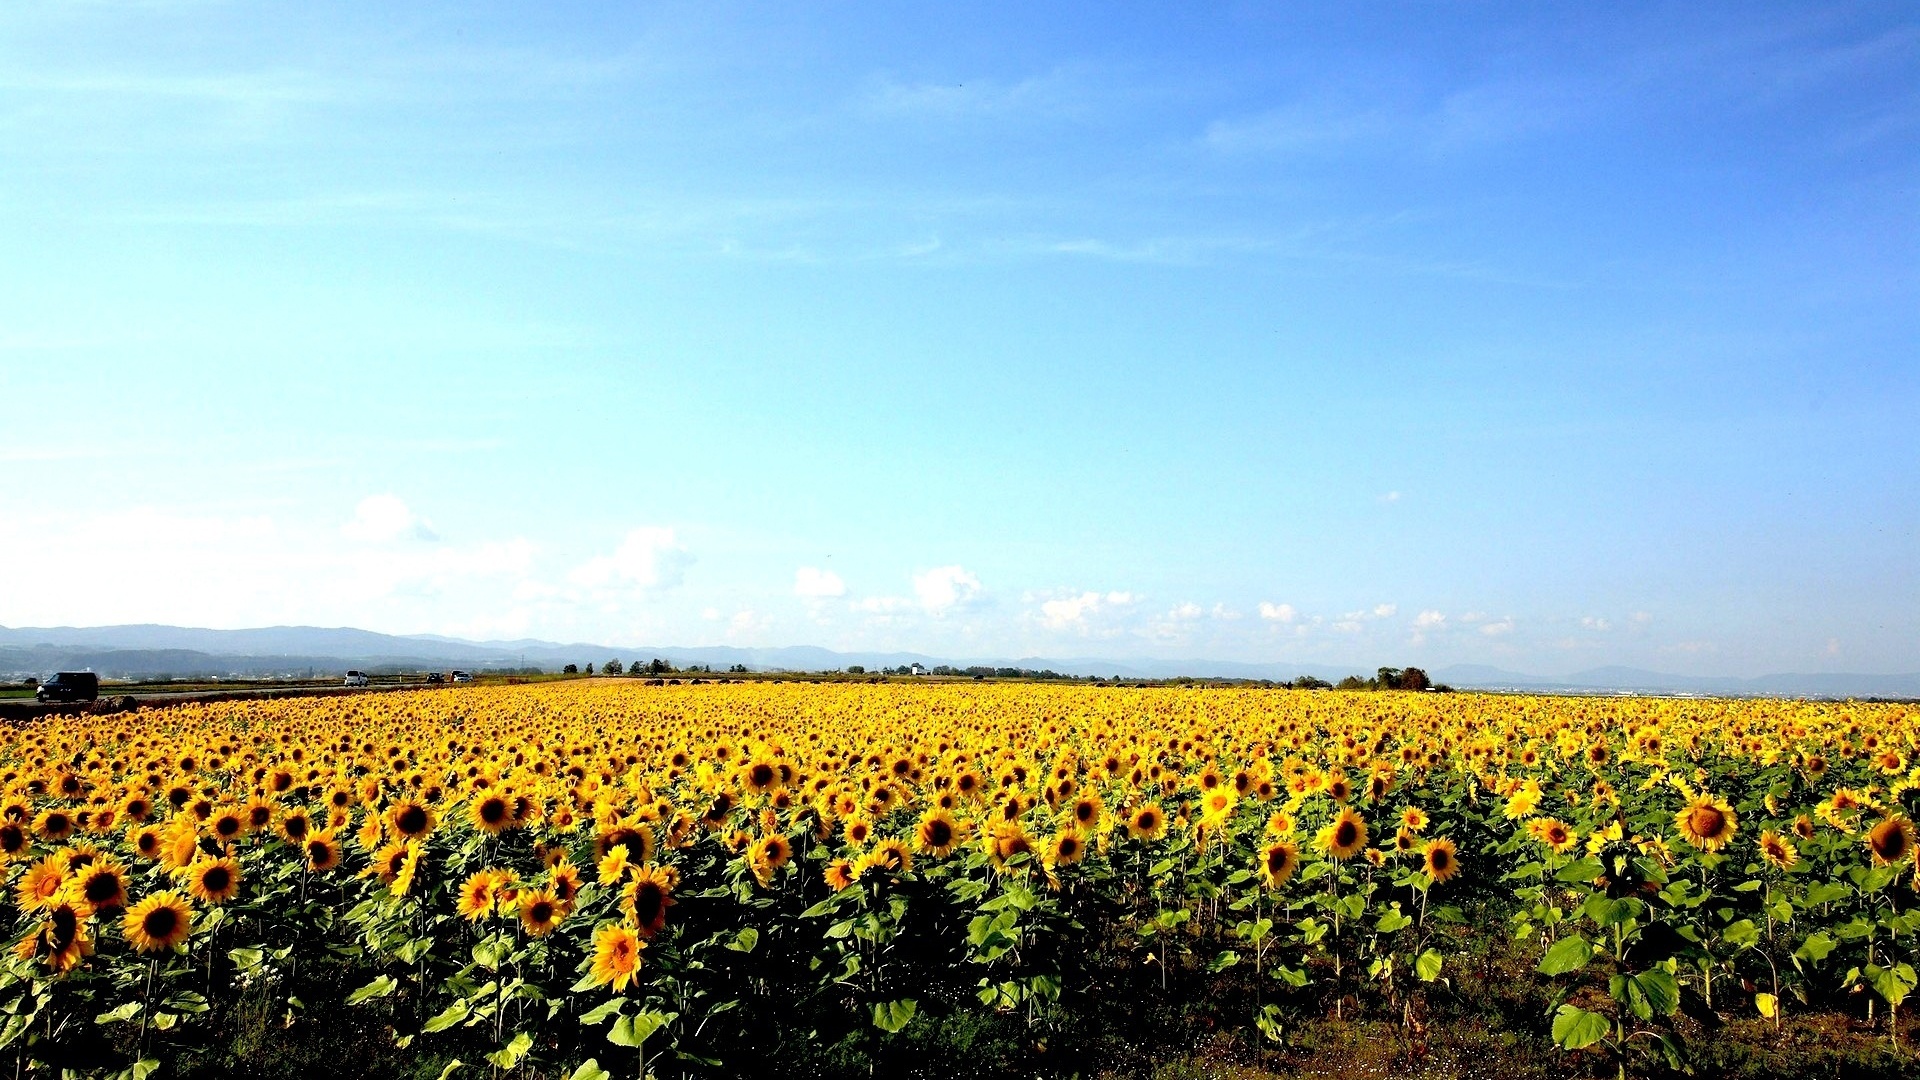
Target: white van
point(356, 678)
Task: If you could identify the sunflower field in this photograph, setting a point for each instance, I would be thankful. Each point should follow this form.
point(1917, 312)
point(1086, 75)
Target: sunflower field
point(598, 878)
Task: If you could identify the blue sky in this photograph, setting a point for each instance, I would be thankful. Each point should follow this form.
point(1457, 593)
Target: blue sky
point(1532, 335)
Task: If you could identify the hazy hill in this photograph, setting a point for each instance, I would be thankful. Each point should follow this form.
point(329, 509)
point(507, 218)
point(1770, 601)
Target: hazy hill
point(151, 649)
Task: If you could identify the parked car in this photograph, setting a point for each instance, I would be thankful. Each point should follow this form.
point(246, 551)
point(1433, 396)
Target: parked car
point(434, 676)
point(356, 678)
point(462, 676)
point(69, 686)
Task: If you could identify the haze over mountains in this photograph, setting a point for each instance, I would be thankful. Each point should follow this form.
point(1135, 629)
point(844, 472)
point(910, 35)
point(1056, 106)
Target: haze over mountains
point(150, 650)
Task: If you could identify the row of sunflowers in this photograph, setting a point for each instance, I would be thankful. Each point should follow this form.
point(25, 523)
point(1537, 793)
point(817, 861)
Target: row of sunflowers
point(590, 877)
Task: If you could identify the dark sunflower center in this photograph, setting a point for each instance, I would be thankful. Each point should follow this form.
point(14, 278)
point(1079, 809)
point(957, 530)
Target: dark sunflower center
point(101, 888)
point(1346, 834)
point(160, 923)
point(216, 879)
point(939, 834)
point(493, 811)
point(412, 819)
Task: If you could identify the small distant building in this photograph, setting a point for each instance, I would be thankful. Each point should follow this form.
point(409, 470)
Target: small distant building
point(916, 669)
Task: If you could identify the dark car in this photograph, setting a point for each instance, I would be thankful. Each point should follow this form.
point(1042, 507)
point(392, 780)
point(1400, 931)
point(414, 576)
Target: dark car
point(435, 676)
point(70, 686)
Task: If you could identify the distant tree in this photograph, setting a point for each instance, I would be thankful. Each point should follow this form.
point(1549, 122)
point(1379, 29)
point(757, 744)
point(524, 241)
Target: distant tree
point(1389, 679)
point(570, 669)
point(1352, 682)
point(1414, 679)
point(613, 667)
point(737, 669)
point(658, 666)
point(589, 669)
point(856, 669)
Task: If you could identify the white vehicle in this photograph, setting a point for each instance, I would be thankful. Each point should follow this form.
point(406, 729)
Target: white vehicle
point(356, 678)
point(462, 676)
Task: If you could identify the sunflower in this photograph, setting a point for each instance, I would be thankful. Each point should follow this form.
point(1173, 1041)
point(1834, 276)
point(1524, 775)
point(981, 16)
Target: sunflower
point(1277, 862)
point(158, 923)
point(540, 912)
point(101, 887)
point(1414, 820)
point(323, 853)
point(839, 875)
point(1068, 846)
point(1147, 822)
point(54, 825)
point(1707, 823)
point(14, 841)
point(938, 833)
point(1086, 811)
point(1442, 860)
point(1803, 827)
point(1344, 836)
point(857, 831)
point(1554, 833)
point(1778, 850)
point(1280, 823)
point(402, 882)
point(493, 814)
point(40, 887)
point(564, 880)
point(63, 936)
point(227, 824)
point(214, 881)
point(480, 892)
point(646, 898)
point(295, 826)
point(411, 819)
point(1891, 840)
point(387, 863)
point(616, 956)
point(1007, 841)
point(893, 854)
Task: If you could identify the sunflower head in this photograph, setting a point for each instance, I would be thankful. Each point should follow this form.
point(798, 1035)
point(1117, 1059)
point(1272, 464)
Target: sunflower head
point(1707, 823)
point(1891, 840)
point(158, 923)
point(1442, 861)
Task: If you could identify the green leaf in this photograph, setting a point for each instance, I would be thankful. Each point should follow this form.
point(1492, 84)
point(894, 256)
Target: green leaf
point(1893, 984)
point(1658, 989)
point(1815, 948)
point(448, 1017)
point(1742, 933)
point(745, 940)
point(125, 1012)
point(634, 1030)
point(246, 959)
point(1574, 1027)
point(509, 1055)
point(1582, 870)
point(15, 1027)
point(1226, 959)
point(452, 1067)
point(143, 1068)
point(600, 1014)
point(891, 1016)
point(1294, 977)
point(1393, 921)
point(1427, 965)
point(1567, 954)
point(590, 1070)
point(378, 988)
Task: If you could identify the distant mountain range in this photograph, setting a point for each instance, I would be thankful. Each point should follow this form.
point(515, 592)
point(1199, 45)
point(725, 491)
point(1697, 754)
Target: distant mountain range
point(148, 650)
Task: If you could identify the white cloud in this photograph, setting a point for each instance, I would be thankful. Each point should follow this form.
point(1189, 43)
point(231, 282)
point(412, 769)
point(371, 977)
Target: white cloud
point(383, 519)
point(1390, 497)
point(815, 583)
point(1385, 611)
point(1430, 620)
point(1496, 629)
point(1223, 612)
point(1278, 612)
point(1074, 611)
point(1595, 622)
point(649, 558)
point(1186, 611)
point(945, 587)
